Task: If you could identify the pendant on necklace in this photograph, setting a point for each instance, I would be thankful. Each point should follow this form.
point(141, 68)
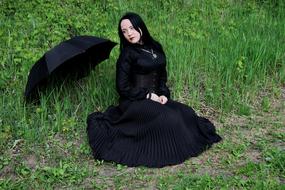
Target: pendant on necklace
point(154, 56)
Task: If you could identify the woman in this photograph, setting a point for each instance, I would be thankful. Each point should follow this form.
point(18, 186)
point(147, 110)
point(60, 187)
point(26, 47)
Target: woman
point(147, 128)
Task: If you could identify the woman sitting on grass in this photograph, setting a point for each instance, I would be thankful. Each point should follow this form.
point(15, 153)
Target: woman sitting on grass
point(147, 128)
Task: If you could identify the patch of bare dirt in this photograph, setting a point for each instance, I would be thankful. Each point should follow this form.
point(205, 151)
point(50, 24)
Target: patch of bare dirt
point(107, 171)
point(8, 171)
point(31, 161)
point(253, 155)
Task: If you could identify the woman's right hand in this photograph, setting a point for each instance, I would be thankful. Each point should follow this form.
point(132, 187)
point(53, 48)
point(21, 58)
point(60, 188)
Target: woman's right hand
point(154, 97)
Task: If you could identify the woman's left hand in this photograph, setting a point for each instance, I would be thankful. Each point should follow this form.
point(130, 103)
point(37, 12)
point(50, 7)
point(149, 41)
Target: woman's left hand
point(163, 99)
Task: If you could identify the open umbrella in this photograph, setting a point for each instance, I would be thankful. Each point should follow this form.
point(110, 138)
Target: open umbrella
point(74, 57)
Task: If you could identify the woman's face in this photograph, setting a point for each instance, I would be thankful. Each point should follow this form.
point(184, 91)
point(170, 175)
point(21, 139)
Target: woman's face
point(129, 32)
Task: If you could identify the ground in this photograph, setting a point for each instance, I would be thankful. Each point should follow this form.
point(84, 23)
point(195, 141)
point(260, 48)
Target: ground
point(251, 144)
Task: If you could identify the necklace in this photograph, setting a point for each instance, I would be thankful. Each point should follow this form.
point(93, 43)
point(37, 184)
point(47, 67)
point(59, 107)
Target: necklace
point(151, 52)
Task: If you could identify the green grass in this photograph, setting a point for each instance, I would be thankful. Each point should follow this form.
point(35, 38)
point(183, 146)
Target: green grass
point(224, 58)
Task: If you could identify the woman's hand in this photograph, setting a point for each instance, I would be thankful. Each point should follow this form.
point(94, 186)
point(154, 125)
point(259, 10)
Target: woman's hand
point(160, 99)
point(153, 97)
point(163, 99)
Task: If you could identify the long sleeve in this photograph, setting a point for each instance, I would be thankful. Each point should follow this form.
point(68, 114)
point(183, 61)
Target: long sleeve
point(123, 79)
point(163, 89)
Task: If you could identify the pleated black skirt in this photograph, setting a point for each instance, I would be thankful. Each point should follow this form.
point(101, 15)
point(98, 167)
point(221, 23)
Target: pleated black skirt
point(147, 133)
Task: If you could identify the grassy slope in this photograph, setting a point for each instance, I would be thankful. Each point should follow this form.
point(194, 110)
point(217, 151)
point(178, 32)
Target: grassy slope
point(225, 58)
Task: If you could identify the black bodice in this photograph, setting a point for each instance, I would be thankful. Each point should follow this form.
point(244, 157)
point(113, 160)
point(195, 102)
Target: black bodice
point(148, 81)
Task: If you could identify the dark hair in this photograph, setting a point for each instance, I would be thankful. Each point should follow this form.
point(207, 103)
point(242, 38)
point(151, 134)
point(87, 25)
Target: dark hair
point(138, 25)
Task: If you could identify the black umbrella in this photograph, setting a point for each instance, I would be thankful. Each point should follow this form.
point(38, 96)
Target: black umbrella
point(74, 57)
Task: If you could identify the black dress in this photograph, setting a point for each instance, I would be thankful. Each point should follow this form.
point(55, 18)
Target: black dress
point(142, 132)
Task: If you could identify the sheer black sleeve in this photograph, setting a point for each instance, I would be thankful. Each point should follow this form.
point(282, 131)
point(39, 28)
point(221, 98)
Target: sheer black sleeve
point(123, 79)
point(163, 89)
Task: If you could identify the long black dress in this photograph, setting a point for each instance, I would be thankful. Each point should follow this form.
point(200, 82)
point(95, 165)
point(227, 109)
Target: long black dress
point(142, 132)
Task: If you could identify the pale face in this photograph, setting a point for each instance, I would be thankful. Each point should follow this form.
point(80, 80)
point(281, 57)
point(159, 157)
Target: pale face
point(129, 32)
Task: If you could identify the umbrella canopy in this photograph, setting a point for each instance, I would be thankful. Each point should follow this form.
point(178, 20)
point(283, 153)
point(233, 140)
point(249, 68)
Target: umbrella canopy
point(74, 57)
